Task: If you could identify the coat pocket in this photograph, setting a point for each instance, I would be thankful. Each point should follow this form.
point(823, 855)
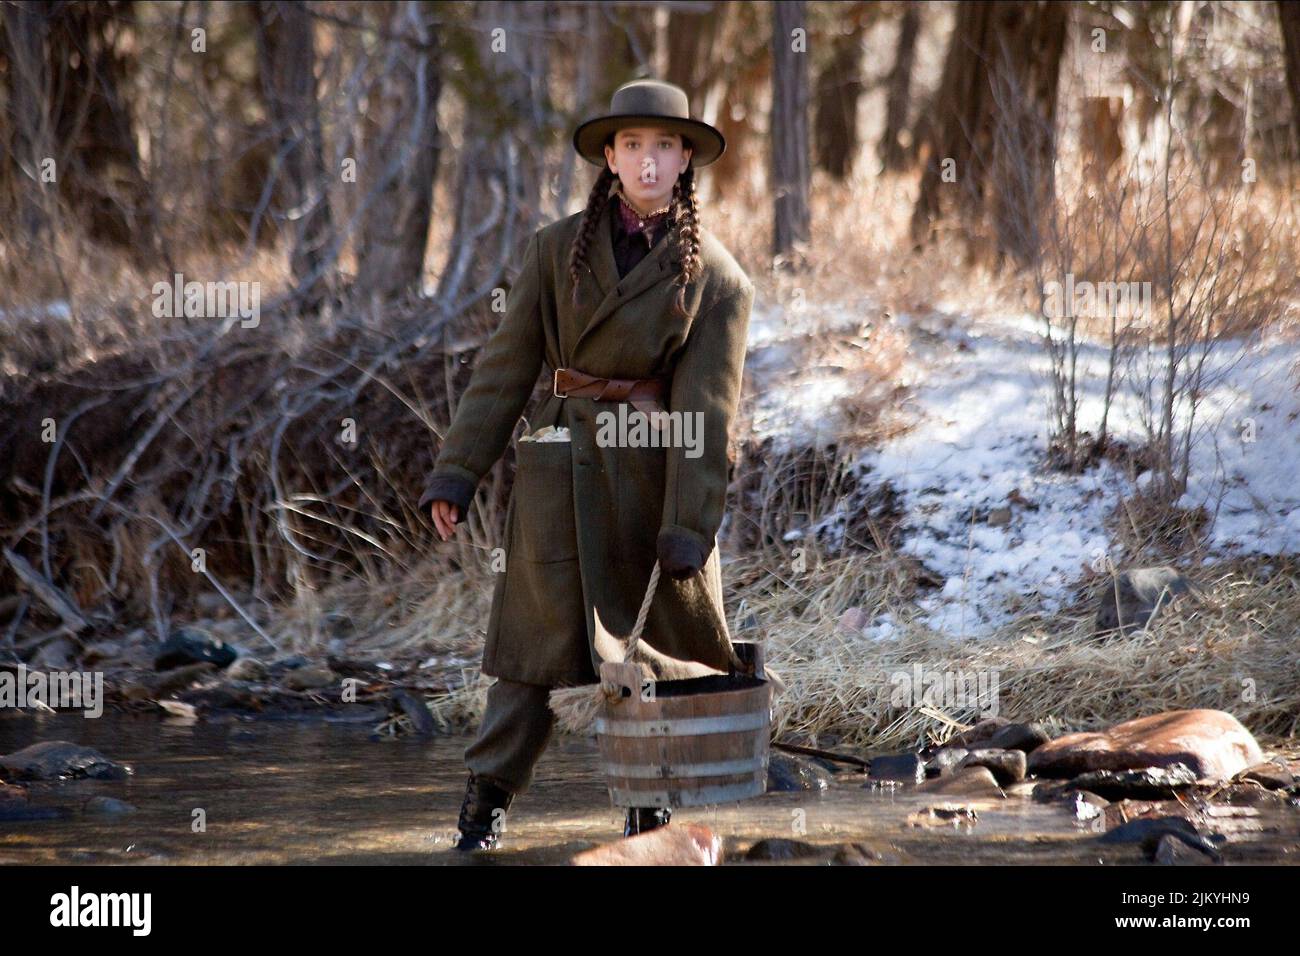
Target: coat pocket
point(544, 526)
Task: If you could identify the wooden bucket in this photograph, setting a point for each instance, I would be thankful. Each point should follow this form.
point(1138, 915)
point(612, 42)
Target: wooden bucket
point(684, 743)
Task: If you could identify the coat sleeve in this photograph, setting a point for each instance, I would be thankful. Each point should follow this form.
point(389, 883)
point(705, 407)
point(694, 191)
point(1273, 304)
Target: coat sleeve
point(706, 381)
point(502, 382)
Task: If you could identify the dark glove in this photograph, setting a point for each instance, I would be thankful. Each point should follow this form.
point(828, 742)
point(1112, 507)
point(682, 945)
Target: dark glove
point(453, 488)
point(680, 555)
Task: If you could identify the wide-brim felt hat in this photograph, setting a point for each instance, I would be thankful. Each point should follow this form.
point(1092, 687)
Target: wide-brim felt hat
point(648, 103)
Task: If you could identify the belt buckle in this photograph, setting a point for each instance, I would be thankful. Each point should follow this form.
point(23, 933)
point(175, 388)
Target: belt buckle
point(555, 384)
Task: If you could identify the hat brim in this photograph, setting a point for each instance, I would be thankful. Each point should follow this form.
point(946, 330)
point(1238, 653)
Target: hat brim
point(589, 138)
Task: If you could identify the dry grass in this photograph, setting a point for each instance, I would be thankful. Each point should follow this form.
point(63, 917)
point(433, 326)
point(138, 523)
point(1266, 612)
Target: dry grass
point(1232, 650)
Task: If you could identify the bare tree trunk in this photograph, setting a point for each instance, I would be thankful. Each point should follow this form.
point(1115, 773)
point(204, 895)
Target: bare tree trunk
point(499, 175)
point(895, 154)
point(995, 138)
point(1288, 15)
point(839, 87)
point(402, 142)
point(286, 67)
point(28, 108)
point(89, 69)
point(960, 123)
point(789, 131)
point(1025, 140)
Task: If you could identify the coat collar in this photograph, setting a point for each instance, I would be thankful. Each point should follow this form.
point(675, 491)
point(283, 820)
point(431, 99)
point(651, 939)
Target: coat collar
point(656, 267)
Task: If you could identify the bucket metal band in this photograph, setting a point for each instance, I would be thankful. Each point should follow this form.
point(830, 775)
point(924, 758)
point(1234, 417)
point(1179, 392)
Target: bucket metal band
point(685, 727)
point(726, 793)
point(681, 770)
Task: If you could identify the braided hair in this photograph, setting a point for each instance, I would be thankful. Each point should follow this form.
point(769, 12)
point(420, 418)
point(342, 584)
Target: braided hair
point(684, 212)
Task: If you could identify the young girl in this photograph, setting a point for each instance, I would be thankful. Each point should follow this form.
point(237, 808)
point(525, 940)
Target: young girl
point(633, 307)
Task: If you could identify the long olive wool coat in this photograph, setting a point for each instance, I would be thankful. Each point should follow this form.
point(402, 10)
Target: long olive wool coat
point(585, 522)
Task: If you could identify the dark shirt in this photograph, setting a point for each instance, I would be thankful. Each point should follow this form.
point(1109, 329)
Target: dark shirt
point(632, 240)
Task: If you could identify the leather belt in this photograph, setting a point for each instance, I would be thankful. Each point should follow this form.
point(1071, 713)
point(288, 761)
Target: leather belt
point(645, 394)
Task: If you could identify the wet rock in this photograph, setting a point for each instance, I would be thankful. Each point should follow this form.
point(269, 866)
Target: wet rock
point(781, 849)
point(247, 669)
point(981, 733)
point(967, 782)
point(1129, 601)
point(1085, 806)
point(1152, 783)
point(903, 768)
point(945, 815)
point(189, 646)
point(1148, 830)
point(677, 844)
point(107, 806)
point(1210, 742)
point(1023, 737)
point(944, 762)
point(309, 678)
point(1153, 832)
point(1173, 851)
point(787, 773)
point(1270, 776)
point(1250, 795)
point(416, 710)
point(61, 760)
point(1007, 766)
point(855, 854)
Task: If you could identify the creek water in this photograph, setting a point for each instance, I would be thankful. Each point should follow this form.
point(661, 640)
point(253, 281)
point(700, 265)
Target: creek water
point(287, 791)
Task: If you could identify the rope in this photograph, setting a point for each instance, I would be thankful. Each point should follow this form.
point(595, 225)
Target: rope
point(642, 614)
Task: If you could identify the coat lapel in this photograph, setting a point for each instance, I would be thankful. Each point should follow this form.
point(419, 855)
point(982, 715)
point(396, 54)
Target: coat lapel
point(653, 269)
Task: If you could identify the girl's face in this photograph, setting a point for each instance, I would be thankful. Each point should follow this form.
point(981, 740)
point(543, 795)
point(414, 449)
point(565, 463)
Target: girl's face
point(647, 161)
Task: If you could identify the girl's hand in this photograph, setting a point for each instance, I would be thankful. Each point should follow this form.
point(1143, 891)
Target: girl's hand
point(445, 518)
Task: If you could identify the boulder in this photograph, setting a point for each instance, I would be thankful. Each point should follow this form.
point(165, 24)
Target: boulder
point(1270, 776)
point(60, 760)
point(967, 782)
point(981, 733)
point(1171, 851)
point(1023, 737)
point(1133, 597)
point(782, 849)
point(787, 773)
point(1007, 766)
point(1152, 783)
point(855, 854)
point(901, 768)
point(107, 806)
point(688, 844)
point(944, 815)
point(945, 761)
point(190, 646)
point(247, 669)
point(1212, 743)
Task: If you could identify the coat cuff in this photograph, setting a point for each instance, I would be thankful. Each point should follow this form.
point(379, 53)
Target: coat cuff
point(681, 551)
point(454, 488)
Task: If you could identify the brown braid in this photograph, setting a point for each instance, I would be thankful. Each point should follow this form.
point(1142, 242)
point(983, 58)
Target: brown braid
point(685, 213)
point(686, 216)
point(582, 241)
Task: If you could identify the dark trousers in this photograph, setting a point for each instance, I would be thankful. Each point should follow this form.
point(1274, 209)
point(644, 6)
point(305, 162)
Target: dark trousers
point(516, 729)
